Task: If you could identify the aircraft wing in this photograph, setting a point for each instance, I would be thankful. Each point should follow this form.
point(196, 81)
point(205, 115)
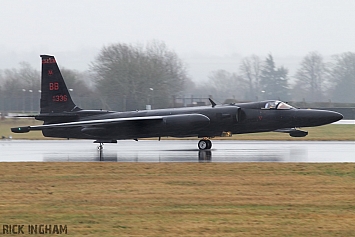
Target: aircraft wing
point(186, 121)
point(85, 123)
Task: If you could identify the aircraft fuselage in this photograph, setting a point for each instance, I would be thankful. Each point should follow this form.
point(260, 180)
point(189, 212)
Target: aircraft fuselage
point(236, 119)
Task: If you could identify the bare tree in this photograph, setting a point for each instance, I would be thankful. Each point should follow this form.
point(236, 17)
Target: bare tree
point(20, 88)
point(311, 78)
point(226, 85)
point(250, 70)
point(131, 76)
point(76, 82)
point(342, 76)
point(25, 78)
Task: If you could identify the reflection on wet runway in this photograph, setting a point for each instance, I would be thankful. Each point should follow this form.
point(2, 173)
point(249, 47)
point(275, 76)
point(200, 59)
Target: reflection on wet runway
point(178, 151)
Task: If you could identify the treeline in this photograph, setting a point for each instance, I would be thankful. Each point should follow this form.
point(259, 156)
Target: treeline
point(314, 81)
point(126, 77)
point(122, 77)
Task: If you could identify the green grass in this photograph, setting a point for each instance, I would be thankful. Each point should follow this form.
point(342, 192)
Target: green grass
point(175, 199)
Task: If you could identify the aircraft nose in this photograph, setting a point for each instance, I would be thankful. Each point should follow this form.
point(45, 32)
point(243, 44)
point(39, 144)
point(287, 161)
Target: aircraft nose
point(334, 116)
point(312, 117)
point(326, 116)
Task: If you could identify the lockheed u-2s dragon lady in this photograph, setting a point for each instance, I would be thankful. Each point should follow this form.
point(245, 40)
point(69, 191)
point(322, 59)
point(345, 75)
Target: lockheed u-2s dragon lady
point(63, 119)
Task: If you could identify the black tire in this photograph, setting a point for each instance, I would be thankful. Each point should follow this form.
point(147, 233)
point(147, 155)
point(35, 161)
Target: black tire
point(209, 144)
point(202, 144)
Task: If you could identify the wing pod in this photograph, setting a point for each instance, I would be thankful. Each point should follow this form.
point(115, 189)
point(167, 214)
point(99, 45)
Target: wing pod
point(298, 133)
point(293, 132)
point(94, 131)
point(186, 122)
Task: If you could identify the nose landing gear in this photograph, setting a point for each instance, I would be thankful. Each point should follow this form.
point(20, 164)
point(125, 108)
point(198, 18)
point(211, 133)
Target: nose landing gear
point(204, 144)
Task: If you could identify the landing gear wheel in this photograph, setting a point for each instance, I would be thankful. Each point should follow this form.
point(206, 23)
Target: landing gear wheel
point(209, 144)
point(204, 144)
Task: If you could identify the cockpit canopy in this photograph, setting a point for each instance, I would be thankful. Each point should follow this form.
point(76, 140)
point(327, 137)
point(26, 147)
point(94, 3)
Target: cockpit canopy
point(276, 104)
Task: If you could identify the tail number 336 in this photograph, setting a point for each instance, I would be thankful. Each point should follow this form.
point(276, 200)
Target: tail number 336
point(60, 98)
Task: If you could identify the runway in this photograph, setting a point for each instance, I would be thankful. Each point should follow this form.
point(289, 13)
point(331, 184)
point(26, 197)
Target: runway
point(176, 151)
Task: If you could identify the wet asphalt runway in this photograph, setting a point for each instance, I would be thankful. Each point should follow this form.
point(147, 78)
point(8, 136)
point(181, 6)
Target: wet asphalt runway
point(177, 151)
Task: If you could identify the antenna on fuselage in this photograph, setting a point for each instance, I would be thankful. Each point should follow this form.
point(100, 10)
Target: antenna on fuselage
point(212, 102)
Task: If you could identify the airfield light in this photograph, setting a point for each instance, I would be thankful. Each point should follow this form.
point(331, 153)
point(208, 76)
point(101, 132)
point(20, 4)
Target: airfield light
point(31, 99)
point(23, 100)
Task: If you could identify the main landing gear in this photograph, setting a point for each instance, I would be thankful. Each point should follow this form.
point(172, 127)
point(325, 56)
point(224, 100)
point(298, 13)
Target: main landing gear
point(100, 147)
point(204, 144)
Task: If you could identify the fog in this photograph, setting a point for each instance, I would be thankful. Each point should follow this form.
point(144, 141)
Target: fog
point(207, 35)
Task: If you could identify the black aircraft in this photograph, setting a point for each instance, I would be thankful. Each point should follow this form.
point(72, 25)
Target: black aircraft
point(63, 119)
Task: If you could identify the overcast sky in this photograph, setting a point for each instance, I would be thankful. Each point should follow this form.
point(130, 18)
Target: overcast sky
point(207, 34)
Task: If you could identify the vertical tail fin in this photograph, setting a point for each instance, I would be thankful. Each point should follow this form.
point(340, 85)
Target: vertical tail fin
point(55, 97)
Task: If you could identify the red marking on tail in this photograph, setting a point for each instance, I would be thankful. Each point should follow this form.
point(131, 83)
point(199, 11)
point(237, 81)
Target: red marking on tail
point(48, 60)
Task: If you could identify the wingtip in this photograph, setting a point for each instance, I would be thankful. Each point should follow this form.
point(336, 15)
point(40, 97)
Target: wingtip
point(20, 129)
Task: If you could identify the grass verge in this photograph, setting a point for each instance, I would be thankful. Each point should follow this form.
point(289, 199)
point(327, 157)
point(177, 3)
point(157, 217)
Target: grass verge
point(173, 199)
